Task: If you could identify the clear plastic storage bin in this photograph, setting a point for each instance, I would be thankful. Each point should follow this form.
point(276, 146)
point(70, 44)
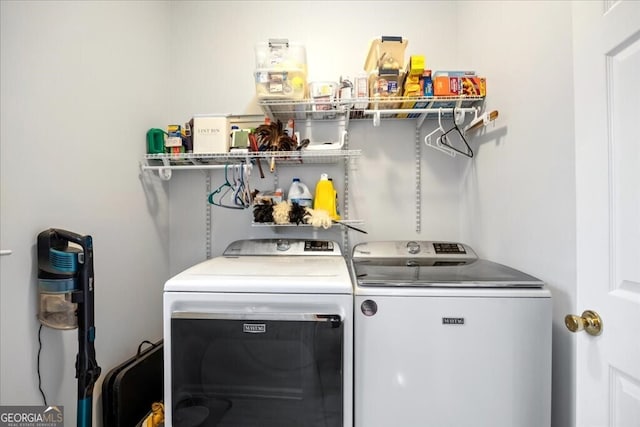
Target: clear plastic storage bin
point(281, 70)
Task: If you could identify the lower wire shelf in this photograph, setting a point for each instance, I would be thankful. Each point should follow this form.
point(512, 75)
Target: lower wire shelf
point(349, 223)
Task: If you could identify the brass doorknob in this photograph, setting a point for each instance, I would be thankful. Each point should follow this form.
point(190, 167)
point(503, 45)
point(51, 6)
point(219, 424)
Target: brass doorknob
point(590, 321)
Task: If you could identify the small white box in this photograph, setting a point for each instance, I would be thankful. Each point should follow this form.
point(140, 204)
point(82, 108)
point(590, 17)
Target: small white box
point(211, 134)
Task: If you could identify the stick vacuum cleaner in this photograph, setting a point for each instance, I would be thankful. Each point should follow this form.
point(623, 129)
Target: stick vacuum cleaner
point(65, 282)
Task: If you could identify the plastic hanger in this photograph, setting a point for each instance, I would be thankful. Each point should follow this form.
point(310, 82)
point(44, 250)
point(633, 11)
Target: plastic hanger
point(242, 195)
point(223, 190)
point(429, 139)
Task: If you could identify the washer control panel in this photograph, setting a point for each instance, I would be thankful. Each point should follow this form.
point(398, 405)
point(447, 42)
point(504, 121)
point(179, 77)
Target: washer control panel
point(449, 248)
point(414, 249)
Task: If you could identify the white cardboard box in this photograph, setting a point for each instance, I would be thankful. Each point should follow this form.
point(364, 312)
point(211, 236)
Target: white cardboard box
point(211, 134)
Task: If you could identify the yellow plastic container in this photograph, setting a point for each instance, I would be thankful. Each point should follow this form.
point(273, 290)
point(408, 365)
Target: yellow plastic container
point(386, 52)
point(326, 197)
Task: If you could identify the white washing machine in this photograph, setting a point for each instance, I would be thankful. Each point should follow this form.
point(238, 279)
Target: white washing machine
point(261, 336)
point(443, 338)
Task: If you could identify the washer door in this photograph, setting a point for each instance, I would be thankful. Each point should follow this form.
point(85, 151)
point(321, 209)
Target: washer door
point(452, 361)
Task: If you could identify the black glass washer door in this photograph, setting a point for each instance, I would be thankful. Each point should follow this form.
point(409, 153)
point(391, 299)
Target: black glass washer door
point(240, 372)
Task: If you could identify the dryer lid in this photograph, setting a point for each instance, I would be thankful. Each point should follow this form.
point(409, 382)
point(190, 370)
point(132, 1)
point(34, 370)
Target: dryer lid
point(269, 266)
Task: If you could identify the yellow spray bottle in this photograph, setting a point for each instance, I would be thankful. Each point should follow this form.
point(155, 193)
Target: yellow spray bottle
point(325, 197)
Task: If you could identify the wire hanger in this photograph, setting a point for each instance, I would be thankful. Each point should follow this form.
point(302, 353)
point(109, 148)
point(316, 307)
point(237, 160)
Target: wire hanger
point(242, 195)
point(445, 138)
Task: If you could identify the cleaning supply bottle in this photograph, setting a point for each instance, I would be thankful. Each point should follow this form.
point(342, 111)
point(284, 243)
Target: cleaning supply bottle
point(336, 197)
point(325, 197)
point(299, 193)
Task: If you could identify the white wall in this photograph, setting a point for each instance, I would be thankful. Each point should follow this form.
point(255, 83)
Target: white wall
point(514, 203)
point(81, 84)
point(149, 64)
point(518, 194)
point(221, 39)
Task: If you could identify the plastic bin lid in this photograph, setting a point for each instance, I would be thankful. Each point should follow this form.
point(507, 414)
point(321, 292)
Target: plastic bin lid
point(386, 47)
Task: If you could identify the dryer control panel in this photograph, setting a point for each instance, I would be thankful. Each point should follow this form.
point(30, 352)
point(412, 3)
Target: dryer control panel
point(288, 247)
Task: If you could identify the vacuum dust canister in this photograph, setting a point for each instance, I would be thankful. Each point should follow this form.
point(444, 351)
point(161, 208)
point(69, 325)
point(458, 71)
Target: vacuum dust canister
point(58, 264)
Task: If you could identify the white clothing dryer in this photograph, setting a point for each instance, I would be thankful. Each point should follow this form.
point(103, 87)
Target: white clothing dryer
point(261, 336)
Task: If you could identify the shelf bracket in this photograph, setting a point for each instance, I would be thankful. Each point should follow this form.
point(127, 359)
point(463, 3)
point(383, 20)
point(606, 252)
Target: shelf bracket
point(208, 218)
point(165, 172)
point(418, 179)
point(420, 120)
point(376, 119)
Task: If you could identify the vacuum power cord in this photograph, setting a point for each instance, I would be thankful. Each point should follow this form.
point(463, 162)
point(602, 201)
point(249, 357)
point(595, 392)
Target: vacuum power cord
point(44, 398)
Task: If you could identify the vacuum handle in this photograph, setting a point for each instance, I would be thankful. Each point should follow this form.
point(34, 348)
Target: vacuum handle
point(70, 236)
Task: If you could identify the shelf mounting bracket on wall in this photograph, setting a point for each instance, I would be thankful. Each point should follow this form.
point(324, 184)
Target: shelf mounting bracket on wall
point(418, 178)
point(165, 172)
point(376, 119)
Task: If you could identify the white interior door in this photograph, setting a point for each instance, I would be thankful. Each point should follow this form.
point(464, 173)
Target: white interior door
point(607, 108)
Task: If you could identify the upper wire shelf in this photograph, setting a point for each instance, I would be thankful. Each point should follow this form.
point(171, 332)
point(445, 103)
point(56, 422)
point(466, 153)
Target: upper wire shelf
point(380, 108)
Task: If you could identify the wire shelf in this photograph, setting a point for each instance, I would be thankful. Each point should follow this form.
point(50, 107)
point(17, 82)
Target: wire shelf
point(291, 224)
point(342, 224)
point(193, 160)
point(405, 107)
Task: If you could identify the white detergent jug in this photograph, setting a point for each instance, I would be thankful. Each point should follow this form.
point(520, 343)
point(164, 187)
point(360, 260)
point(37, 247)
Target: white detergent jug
point(300, 194)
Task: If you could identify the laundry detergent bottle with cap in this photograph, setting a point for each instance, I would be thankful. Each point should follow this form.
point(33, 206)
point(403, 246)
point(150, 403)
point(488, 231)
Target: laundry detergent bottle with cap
point(325, 197)
point(299, 193)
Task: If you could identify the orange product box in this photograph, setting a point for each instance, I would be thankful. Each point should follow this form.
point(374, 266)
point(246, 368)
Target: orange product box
point(476, 86)
point(446, 86)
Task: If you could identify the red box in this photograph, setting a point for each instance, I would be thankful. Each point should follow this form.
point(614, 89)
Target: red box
point(446, 86)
